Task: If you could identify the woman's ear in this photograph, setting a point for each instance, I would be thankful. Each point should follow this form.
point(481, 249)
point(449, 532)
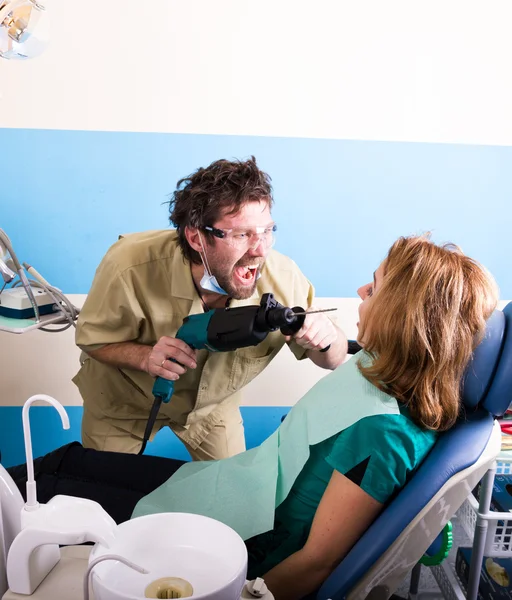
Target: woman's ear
point(193, 236)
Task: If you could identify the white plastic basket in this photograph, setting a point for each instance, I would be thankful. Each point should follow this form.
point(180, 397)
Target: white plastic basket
point(449, 582)
point(499, 534)
point(504, 464)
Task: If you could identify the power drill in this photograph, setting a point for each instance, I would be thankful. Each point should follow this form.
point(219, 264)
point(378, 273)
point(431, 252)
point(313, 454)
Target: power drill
point(226, 329)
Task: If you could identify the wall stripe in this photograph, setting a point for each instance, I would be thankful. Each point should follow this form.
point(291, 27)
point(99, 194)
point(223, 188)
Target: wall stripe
point(47, 432)
point(339, 204)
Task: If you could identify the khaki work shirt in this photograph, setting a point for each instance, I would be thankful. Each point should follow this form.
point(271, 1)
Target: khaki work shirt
point(142, 290)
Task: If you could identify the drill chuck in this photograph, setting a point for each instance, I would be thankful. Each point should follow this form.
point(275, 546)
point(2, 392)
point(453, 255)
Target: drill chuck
point(280, 317)
point(272, 315)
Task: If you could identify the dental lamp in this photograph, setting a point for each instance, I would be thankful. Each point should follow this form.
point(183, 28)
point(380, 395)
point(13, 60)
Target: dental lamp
point(18, 20)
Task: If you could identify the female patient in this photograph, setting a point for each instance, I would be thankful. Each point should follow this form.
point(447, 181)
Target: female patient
point(419, 321)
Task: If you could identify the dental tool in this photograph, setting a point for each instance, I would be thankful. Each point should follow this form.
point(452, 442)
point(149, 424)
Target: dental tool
point(35, 274)
point(5, 242)
point(37, 298)
point(7, 274)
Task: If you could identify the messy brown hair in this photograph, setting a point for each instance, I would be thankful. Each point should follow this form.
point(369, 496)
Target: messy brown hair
point(204, 196)
point(427, 317)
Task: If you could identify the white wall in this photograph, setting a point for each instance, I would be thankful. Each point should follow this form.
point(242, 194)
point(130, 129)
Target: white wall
point(44, 363)
point(433, 71)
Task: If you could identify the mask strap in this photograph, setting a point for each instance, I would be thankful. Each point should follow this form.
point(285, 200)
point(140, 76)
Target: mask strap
point(205, 261)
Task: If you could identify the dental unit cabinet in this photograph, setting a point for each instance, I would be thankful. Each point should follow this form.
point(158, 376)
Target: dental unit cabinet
point(167, 555)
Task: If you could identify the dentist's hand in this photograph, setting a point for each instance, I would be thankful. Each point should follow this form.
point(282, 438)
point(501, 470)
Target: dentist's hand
point(317, 333)
point(170, 357)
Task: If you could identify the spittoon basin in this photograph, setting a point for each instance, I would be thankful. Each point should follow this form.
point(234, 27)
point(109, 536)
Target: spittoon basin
point(207, 554)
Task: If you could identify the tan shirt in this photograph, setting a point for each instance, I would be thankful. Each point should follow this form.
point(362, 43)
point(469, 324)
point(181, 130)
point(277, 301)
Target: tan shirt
point(142, 290)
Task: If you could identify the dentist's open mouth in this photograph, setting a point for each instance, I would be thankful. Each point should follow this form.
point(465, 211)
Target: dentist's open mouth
point(246, 274)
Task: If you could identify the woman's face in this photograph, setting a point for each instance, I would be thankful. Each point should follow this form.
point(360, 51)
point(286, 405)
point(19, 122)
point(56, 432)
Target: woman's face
point(366, 293)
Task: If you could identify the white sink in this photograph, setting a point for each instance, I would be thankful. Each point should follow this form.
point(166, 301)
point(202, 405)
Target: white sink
point(207, 554)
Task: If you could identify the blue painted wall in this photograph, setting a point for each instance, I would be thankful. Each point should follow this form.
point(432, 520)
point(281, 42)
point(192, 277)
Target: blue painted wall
point(47, 432)
point(339, 204)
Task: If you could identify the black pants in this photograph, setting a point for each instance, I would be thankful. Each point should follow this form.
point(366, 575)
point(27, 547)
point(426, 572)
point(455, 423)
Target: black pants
point(116, 481)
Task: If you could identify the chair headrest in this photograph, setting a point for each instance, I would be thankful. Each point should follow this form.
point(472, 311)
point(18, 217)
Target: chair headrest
point(485, 382)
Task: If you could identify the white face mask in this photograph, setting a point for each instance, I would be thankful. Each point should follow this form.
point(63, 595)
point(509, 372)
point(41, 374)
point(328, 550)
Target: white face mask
point(210, 284)
point(209, 281)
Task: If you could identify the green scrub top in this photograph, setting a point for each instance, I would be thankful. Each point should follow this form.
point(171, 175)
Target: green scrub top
point(386, 449)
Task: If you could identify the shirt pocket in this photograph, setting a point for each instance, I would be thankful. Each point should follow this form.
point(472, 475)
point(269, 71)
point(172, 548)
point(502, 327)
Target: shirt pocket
point(112, 391)
point(248, 363)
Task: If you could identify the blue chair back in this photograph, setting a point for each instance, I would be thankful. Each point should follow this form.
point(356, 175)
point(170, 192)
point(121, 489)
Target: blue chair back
point(486, 394)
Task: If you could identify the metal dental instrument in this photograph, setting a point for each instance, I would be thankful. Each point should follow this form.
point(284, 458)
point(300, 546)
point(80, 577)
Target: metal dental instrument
point(7, 273)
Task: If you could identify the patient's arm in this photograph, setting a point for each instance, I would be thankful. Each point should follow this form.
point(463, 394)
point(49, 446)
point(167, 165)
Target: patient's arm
point(343, 515)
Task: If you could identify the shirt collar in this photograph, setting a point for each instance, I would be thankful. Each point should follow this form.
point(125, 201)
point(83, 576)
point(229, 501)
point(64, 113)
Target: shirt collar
point(182, 285)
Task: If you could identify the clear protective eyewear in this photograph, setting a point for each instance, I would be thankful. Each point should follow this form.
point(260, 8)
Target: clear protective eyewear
point(246, 238)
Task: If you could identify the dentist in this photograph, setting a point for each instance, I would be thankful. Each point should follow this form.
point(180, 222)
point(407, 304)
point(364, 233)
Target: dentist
point(219, 255)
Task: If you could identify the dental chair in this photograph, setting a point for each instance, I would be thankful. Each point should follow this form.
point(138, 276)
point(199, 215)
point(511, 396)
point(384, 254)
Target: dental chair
point(410, 525)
